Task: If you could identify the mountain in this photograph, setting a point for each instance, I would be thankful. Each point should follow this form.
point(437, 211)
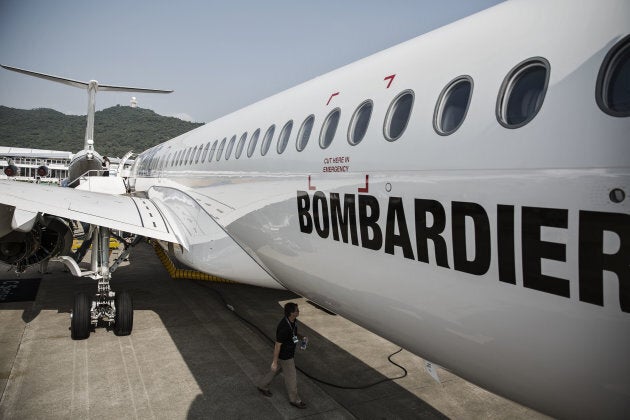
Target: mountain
point(116, 130)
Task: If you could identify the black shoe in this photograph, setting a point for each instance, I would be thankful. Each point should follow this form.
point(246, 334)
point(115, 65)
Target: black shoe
point(299, 404)
point(265, 392)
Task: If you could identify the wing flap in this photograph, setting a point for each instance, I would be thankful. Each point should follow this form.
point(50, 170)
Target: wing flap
point(139, 216)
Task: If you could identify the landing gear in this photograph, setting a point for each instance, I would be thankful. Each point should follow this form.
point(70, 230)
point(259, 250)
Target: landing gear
point(114, 310)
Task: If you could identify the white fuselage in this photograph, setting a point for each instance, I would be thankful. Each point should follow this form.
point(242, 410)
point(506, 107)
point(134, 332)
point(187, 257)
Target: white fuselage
point(482, 253)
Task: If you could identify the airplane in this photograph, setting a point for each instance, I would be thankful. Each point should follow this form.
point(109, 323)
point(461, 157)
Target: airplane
point(86, 162)
point(462, 194)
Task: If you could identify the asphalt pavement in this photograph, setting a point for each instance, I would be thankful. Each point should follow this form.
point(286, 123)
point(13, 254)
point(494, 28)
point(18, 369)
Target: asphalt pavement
point(190, 356)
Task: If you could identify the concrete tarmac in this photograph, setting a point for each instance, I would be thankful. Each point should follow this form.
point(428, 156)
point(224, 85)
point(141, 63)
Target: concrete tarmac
point(189, 356)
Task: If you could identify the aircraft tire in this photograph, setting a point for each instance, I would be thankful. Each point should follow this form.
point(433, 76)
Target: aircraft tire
point(123, 321)
point(80, 324)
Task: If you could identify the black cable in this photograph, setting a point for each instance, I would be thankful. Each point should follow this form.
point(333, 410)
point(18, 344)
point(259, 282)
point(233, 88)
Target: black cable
point(231, 308)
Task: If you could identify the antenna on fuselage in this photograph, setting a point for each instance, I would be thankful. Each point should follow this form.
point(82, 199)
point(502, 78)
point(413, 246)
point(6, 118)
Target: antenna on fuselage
point(92, 87)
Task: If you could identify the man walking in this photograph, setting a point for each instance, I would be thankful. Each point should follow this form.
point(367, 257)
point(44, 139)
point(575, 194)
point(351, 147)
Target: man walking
point(287, 338)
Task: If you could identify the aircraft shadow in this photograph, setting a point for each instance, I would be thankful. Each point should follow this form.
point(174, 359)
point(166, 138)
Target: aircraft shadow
point(227, 356)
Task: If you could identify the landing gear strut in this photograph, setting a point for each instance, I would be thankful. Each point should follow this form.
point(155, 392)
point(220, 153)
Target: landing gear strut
point(109, 308)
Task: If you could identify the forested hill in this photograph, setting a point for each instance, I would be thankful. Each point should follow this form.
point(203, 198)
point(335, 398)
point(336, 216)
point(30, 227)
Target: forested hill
point(116, 130)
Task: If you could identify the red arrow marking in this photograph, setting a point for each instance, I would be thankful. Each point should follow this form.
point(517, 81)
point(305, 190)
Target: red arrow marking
point(311, 187)
point(367, 187)
point(332, 96)
point(391, 79)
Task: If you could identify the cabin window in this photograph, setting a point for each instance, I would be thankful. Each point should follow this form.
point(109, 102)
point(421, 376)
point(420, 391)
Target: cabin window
point(192, 156)
point(252, 143)
point(188, 158)
point(205, 152)
point(240, 145)
point(267, 140)
point(398, 115)
point(329, 128)
point(181, 158)
point(198, 155)
point(613, 81)
point(523, 92)
point(359, 122)
point(214, 147)
point(230, 146)
point(305, 133)
point(452, 105)
point(220, 150)
point(283, 138)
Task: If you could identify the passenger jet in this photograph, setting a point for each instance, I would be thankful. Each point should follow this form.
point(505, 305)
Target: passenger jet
point(462, 194)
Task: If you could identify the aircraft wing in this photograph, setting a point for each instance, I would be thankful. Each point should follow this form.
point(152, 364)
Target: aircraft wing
point(139, 216)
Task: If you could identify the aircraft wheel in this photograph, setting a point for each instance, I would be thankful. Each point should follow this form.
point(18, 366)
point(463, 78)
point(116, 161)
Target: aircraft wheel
point(123, 321)
point(80, 324)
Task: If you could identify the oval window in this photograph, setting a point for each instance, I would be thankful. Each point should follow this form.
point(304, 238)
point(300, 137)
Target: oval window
point(283, 139)
point(613, 81)
point(305, 133)
point(220, 149)
point(452, 105)
point(252, 143)
point(329, 128)
point(230, 146)
point(267, 140)
point(240, 146)
point(523, 92)
point(359, 122)
point(205, 152)
point(214, 147)
point(398, 115)
point(198, 154)
point(190, 155)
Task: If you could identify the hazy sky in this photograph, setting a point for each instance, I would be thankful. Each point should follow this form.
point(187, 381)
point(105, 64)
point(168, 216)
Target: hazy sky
point(217, 56)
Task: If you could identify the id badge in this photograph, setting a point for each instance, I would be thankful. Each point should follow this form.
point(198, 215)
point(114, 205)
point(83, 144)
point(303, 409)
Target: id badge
point(295, 339)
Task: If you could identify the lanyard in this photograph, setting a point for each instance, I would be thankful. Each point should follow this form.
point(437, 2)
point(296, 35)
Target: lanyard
point(291, 326)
